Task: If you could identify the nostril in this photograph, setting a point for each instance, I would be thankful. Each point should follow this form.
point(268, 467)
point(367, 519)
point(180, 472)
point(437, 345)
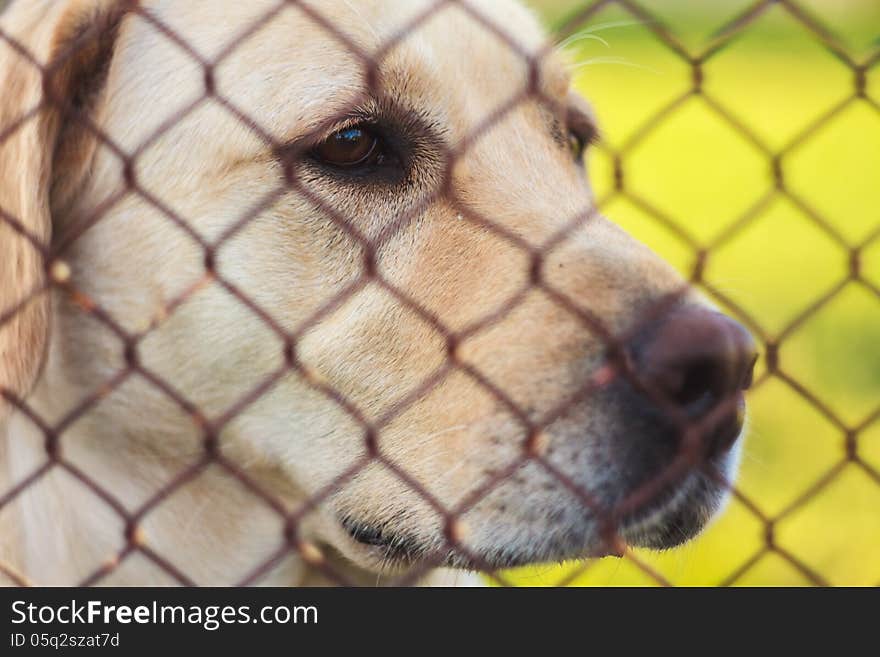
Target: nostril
point(697, 358)
point(698, 381)
point(748, 377)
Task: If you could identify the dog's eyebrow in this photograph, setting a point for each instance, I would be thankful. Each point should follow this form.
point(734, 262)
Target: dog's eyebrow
point(555, 78)
point(573, 116)
point(580, 117)
point(566, 107)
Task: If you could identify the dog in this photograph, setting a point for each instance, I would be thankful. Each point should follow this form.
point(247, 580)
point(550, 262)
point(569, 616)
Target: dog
point(300, 292)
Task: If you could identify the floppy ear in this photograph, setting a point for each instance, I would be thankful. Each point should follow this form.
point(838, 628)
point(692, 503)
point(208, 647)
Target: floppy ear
point(54, 57)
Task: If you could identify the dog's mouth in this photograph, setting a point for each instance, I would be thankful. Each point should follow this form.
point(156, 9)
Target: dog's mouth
point(405, 550)
point(392, 546)
point(673, 516)
point(672, 513)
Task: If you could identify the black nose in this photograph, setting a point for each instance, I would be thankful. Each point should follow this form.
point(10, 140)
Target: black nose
point(698, 359)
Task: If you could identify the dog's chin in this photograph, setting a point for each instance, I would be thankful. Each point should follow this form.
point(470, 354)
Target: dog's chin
point(681, 516)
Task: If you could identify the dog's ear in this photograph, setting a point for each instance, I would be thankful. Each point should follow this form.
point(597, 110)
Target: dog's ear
point(54, 58)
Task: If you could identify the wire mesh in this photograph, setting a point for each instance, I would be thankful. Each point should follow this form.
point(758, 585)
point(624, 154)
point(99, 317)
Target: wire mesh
point(62, 281)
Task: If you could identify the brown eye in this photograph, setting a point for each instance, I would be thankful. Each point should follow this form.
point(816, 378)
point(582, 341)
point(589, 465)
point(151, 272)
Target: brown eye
point(582, 131)
point(578, 145)
point(349, 147)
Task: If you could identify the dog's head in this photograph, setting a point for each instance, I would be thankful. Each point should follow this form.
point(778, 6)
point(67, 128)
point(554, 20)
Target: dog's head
point(358, 251)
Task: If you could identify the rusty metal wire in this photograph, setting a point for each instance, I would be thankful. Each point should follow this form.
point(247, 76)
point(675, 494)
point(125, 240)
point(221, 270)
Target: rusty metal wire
point(59, 281)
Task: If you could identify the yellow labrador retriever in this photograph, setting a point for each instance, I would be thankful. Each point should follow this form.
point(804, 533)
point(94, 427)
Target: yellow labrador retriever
point(325, 277)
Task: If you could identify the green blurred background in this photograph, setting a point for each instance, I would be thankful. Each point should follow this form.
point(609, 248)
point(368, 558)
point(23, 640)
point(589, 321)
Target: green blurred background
point(695, 175)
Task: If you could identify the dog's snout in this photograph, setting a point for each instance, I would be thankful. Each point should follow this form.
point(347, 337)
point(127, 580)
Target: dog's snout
point(698, 359)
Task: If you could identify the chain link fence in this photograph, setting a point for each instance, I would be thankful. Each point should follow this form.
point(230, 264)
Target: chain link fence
point(775, 369)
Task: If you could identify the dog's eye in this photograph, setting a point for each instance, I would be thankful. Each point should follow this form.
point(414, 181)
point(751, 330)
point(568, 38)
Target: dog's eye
point(582, 132)
point(580, 138)
point(578, 146)
point(350, 147)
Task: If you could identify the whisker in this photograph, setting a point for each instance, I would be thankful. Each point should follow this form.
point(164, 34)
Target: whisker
point(612, 60)
point(419, 444)
point(599, 27)
point(577, 38)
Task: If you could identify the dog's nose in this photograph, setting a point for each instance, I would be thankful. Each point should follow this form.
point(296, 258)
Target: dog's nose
point(699, 359)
